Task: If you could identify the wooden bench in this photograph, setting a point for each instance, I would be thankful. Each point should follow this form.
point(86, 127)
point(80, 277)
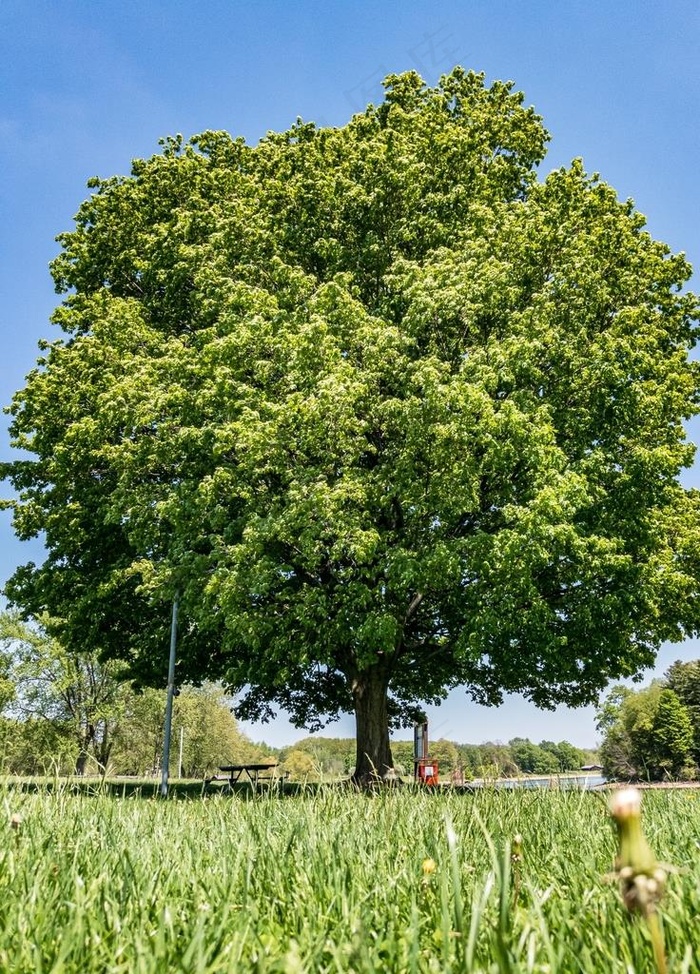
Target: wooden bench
point(254, 773)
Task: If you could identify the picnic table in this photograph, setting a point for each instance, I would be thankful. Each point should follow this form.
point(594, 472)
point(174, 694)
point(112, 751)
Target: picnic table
point(251, 771)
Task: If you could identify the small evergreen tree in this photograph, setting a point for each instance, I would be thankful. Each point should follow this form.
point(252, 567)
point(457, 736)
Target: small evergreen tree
point(673, 737)
point(684, 680)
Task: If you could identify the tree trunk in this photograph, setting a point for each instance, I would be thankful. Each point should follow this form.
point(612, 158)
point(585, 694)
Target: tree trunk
point(373, 761)
point(103, 748)
point(81, 761)
point(85, 739)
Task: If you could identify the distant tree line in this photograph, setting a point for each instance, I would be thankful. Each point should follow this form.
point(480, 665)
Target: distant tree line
point(65, 712)
point(315, 757)
point(654, 733)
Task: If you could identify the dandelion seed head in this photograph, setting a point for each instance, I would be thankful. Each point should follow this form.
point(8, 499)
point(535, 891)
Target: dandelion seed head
point(626, 804)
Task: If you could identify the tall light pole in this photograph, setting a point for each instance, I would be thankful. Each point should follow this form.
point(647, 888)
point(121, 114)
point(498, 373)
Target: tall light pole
point(169, 702)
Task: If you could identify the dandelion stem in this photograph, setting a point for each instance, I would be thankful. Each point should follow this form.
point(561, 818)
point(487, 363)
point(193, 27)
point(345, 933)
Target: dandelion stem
point(657, 942)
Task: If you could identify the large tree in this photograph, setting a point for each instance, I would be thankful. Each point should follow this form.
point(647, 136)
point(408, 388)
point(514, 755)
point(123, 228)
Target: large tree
point(646, 735)
point(7, 687)
point(391, 414)
point(69, 688)
point(684, 680)
point(202, 722)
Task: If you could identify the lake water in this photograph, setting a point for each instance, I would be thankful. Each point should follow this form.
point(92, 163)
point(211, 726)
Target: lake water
point(582, 781)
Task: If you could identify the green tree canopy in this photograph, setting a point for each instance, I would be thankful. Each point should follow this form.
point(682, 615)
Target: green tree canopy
point(7, 686)
point(391, 414)
point(73, 690)
point(299, 765)
point(566, 756)
point(202, 721)
point(531, 758)
point(684, 680)
point(647, 734)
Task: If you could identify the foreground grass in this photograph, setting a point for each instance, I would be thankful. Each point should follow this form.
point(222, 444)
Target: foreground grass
point(333, 881)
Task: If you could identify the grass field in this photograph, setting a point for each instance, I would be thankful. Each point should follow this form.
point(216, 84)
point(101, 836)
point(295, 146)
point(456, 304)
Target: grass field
point(333, 881)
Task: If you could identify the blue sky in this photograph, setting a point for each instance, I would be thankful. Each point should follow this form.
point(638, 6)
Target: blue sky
point(87, 86)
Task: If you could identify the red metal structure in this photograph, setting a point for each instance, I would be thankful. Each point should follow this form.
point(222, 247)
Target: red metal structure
point(425, 770)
